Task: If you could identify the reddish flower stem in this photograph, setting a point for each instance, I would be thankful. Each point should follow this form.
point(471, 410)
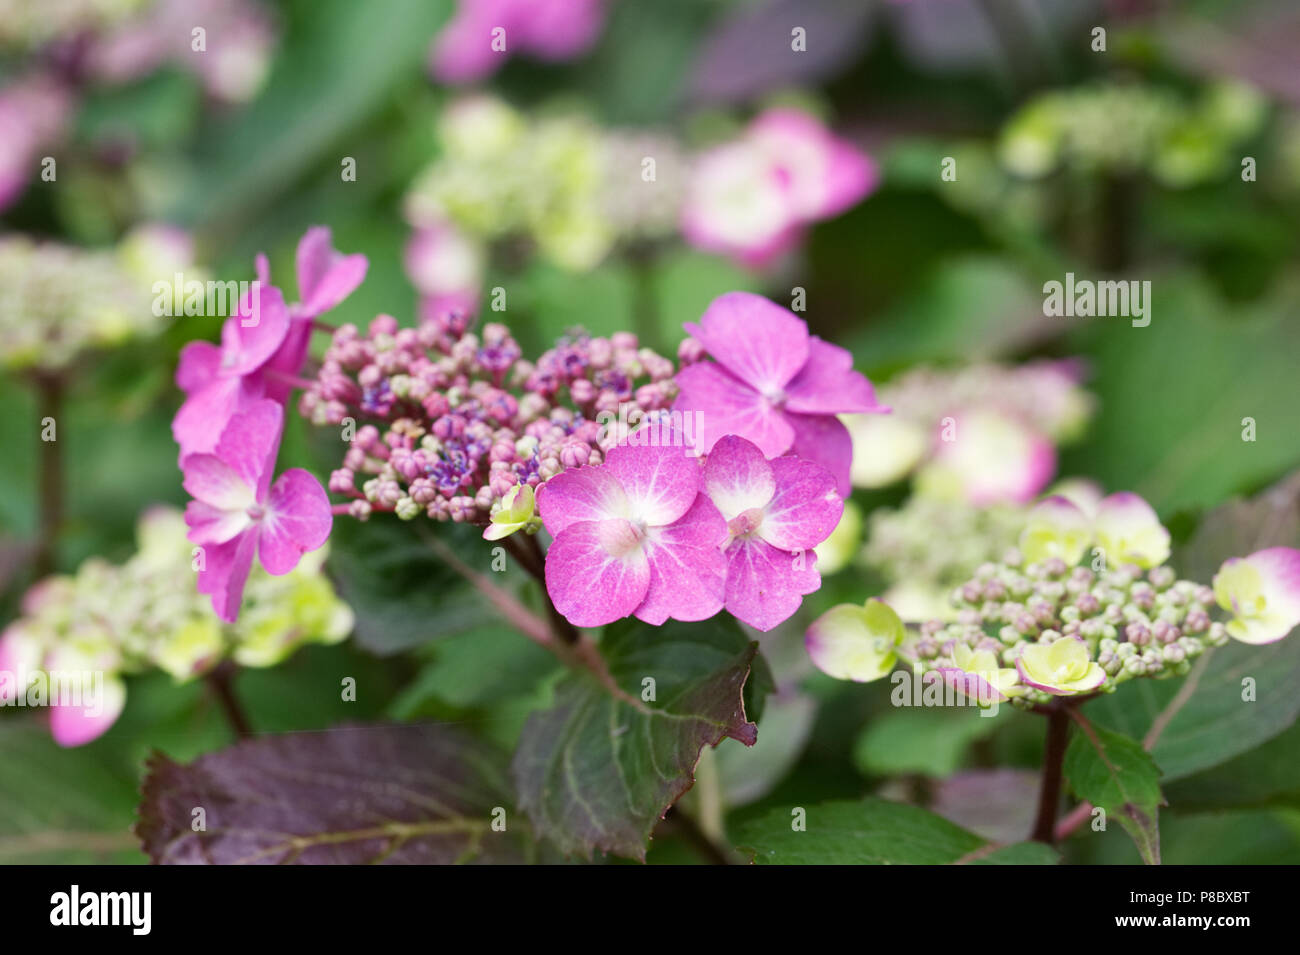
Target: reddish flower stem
point(1049, 792)
point(221, 680)
point(574, 651)
point(1073, 819)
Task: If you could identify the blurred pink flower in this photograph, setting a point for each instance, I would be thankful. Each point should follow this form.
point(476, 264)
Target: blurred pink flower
point(76, 724)
point(546, 29)
point(776, 512)
point(447, 269)
point(238, 39)
point(237, 512)
point(988, 457)
point(753, 198)
point(773, 384)
point(33, 114)
point(633, 536)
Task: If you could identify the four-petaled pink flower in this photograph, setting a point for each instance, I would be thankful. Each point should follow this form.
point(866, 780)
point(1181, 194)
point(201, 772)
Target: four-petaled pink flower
point(263, 345)
point(633, 536)
point(772, 383)
point(325, 278)
point(236, 510)
point(220, 381)
point(776, 512)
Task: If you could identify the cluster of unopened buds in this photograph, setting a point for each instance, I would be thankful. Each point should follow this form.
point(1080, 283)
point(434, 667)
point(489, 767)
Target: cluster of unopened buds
point(1126, 128)
point(1041, 624)
point(466, 419)
point(1111, 626)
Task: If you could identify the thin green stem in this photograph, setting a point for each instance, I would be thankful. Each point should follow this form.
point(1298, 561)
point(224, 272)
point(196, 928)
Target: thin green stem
point(49, 390)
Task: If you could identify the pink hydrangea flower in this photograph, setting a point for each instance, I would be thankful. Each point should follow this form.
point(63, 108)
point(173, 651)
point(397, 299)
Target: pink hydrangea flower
point(633, 536)
point(776, 512)
point(34, 113)
point(547, 29)
point(237, 512)
point(220, 381)
point(260, 359)
point(325, 278)
point(157, 34)
point(753, 198)
point(772, 383)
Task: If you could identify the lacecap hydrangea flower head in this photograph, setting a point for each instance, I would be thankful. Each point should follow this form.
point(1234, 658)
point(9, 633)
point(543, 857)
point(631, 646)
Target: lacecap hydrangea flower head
point(1130, 128)
point(580, 195)
point(60, 301)
point(119, 620)
point(665, 496)
point(1085, 604)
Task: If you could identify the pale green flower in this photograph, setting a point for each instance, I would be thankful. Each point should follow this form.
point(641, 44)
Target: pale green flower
point(855, 643)
point(1061, 668)
point(515, 511)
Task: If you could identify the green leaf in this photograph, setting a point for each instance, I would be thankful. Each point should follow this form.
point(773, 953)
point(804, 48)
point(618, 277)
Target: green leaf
point(1117, 774)
point(596, 771)
point(872, 832)
point(476, 668)
point(62, 806)
point(1176, 439)
point(356, 794)
point(1020, 853)
point(1268, 775)
point(929, 740)
point(403, 596)
point(1203, 720)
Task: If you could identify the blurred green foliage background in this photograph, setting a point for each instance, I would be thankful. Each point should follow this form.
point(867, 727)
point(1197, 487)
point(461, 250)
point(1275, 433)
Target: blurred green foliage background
point(923, 271)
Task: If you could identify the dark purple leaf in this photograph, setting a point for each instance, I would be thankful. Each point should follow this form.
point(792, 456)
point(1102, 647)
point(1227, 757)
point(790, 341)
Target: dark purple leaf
point(351, 795)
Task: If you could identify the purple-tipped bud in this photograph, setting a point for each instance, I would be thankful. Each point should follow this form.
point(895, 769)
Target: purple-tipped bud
point(1165, 632)
point(342, 481)
point(1138, 634)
